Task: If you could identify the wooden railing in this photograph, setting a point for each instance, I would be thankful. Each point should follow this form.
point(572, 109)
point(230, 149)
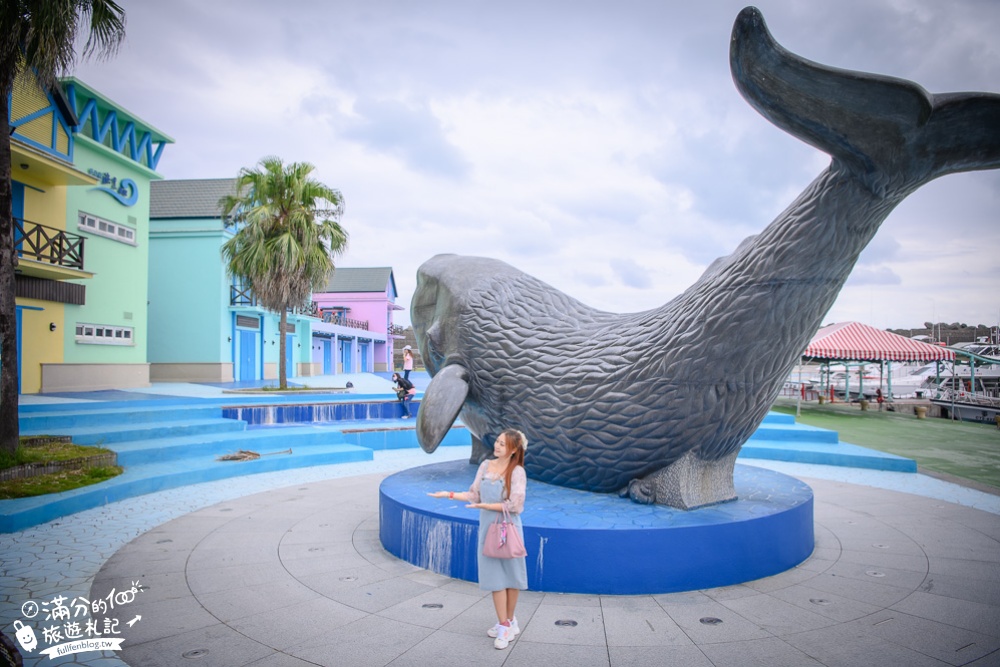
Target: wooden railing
point(344, 321)
point(48, 244)
point(243, 295)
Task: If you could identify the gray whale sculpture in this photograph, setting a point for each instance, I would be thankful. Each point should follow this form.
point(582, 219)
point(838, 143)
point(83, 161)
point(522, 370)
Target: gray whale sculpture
point(656, 405)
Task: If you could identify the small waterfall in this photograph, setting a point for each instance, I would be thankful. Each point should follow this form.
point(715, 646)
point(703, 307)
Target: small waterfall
point(269, 415)
point(426, 542)
point(325, 412)
point(540, 559)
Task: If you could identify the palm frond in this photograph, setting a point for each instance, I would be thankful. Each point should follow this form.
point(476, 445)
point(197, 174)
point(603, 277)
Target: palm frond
point(288, 233)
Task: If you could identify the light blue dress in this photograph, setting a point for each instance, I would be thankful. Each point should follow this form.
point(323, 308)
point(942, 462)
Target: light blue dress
point(496, 574)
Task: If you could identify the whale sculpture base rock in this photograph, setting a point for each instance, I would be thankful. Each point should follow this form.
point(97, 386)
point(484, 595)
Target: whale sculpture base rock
point(688, 483)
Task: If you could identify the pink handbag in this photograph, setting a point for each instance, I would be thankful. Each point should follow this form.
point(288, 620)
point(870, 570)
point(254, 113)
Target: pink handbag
point(503, 540)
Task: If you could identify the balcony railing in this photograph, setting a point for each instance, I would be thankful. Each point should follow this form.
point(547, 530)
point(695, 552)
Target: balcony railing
point(243, 295)
point(48, 244)
point(397, 330)
point(342, 320)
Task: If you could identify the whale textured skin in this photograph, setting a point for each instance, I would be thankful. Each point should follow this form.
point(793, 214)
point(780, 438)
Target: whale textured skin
point(609, 400)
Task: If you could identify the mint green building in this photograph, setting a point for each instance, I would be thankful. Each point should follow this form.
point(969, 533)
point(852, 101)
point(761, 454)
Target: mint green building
point(82, 316)
point(202, 327)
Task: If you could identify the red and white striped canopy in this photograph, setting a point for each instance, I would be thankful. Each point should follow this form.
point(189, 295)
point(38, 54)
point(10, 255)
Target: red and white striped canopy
point(859, 342)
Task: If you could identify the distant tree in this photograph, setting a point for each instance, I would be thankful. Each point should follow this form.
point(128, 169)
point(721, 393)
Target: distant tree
point(287, 235)
point(36, 35)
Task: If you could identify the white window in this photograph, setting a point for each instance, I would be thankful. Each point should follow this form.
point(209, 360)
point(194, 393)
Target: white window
point(111, 230)
point(102, 334)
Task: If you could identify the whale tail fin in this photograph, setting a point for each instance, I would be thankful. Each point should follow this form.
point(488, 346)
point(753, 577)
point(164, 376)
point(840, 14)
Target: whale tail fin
point(877, 126)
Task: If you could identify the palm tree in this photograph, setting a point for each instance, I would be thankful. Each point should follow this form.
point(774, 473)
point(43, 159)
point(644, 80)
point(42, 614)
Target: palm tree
point(37, 35)
point(288, 233)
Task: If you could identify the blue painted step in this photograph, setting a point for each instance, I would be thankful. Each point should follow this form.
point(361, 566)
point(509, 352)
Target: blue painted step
point(778, 418)
point(398, 434)
point(104, 435)
point(26, 512)
point(839, 454)
point(262, 441)
point(46, 422)
point(792, 431)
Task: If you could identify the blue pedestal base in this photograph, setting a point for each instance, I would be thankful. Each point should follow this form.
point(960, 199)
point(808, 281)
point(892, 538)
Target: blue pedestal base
point(581, 542)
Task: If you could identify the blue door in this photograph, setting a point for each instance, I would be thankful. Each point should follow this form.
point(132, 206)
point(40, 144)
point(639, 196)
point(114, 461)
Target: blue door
point(327, 357)
point(248, 356)
point(17, 333)
point(364, 358)
point(289, 355)
point(17, 211)
point(345, 355)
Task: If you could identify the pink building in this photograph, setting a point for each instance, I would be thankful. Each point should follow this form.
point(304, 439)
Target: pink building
point(355, 333)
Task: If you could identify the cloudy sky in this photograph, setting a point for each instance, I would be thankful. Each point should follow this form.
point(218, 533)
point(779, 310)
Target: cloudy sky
point(600, 146)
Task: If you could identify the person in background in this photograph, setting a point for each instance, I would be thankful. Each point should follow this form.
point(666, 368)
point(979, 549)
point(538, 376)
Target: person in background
point(500, 482)
point(405, 392)
point(407, 362)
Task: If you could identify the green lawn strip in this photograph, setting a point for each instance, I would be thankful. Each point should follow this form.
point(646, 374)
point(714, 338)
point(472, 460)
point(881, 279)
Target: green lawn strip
point(47, 452)
point(40, 450)
point(963, 449)
point(56, 482)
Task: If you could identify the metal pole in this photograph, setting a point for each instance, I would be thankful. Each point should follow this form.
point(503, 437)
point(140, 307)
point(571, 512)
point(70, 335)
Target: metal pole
point(798, 398)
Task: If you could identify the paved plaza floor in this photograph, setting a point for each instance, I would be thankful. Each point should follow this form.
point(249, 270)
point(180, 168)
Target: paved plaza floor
point(286, 569)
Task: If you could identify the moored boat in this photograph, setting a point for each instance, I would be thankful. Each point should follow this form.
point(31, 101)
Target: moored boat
point(968, 396)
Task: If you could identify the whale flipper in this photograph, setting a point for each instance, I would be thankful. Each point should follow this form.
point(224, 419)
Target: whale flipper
point(873, 124)
point(441, 404)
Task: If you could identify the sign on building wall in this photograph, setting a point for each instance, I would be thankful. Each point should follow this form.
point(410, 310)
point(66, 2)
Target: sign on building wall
point(123, 190)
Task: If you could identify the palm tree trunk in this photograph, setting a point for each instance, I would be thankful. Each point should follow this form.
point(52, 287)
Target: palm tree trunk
point(8, 303)
point(282, 370)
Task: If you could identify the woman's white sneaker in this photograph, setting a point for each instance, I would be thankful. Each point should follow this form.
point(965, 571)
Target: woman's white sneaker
point(504, 635)
point(515, 631)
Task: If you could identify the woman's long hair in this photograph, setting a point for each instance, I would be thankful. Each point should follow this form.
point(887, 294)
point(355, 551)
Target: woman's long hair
point(517, 440)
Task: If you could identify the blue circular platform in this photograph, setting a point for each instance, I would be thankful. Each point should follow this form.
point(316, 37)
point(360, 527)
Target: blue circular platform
point(581, 542)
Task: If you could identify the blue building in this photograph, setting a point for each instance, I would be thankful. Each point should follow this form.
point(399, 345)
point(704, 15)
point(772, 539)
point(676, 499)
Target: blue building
point(204, 327)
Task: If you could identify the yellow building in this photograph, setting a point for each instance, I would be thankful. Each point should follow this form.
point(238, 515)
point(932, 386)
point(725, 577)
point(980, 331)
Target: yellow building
point(80, 323)
point(41, 170)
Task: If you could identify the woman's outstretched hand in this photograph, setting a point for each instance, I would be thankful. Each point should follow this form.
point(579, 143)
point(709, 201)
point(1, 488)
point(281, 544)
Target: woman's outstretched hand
point(439, 494)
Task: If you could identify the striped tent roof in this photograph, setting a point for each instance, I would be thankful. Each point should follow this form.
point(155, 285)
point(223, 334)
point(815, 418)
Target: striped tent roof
point(860, 342)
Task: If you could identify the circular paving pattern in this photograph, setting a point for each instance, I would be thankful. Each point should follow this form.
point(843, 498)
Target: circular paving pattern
point(297, 577)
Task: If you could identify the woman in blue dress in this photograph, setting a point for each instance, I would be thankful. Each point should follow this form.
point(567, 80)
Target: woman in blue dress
point(500, 482)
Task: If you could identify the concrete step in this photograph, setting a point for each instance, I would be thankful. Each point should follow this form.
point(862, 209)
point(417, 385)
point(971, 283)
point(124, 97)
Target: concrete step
point(839, 454)
point(262, 441)
point(397, 434)
point(48, 421)
point(778, 418)
point(138, 480)
point(105, 435)
point(793, 431)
